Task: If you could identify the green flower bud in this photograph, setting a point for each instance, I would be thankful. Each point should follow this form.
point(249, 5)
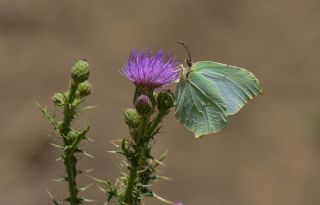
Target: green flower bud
point(144, 105)
point(84, 89)
point(132, 118)
point(80, 71)
point(72, 135)
point(58, 99)
point(165, 101)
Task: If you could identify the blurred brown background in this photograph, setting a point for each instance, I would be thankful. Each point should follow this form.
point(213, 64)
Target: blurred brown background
point(269, 154)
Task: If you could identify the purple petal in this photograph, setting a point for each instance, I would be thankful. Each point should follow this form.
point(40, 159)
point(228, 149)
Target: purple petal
point(145, 69)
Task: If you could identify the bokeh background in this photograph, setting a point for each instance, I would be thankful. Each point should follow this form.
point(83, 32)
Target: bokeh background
point(269, 154)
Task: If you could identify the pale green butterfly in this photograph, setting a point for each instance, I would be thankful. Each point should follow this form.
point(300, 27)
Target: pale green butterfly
point(208, 92)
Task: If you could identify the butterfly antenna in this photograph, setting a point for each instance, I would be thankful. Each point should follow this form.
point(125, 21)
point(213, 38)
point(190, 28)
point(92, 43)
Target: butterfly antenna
point(180, 61)
point(188, 60)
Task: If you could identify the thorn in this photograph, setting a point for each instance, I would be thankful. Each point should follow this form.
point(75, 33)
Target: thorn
point(85, 188)
point(88, 200)
point(165, 178)
point(56, 145)
point(58, 159)
point(99, 180)
point(89, 107)
point(59, 180)
point(101, 189)
point(89, 139)
point(89, 170)
point(161, 199)
point(125, 163)
point(162, 157)
point(49, 193)
point(51, 197)
point(142, 170)
point(159, 162)
point(87, 154)
point(115, 142)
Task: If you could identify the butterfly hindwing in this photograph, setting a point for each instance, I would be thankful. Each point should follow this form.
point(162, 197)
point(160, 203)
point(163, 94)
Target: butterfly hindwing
point(199, 106)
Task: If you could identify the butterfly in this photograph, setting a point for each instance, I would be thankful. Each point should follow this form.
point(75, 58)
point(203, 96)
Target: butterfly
point(207, 93)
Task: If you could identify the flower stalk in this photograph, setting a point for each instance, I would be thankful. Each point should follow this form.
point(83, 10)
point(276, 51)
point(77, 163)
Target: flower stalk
point(141, 166)
point(137, 164)
point(148, 73)
point(70, 102)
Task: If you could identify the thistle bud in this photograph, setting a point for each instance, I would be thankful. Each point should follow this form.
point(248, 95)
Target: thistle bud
point(144, 105)
point(80, 71)
point(132, 118)
point(58, 99)
point(84, 89)
point(73, 134)
point(165, 101)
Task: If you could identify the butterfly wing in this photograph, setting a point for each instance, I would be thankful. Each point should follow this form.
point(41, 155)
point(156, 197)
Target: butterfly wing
point(236, 85)
point(199, 106)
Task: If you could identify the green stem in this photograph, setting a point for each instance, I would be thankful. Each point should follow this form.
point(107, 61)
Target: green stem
point(69, 158)
point(156, 122)
point(68, 112)
point(70, 164)
point(130, 186)
point(135, 164)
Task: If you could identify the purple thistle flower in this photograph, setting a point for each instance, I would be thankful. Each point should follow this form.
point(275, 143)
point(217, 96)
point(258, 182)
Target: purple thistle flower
point(151, 71)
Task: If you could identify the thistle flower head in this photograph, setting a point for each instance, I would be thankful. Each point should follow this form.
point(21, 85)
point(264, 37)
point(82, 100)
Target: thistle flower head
point(151, 71)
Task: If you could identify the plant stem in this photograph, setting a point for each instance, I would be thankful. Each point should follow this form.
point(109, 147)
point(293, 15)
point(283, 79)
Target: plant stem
point(156, 122)
point(129, 190)
point(78, 89)
point(70, 164)
point(136, 164)
point(69, 158)
point(68, 112)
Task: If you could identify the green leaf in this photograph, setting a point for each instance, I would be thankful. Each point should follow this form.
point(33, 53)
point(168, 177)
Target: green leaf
point(209, 92)
point(51, 119)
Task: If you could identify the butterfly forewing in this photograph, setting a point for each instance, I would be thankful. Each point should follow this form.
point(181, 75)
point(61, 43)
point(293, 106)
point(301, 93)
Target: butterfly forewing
point(236, 85)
